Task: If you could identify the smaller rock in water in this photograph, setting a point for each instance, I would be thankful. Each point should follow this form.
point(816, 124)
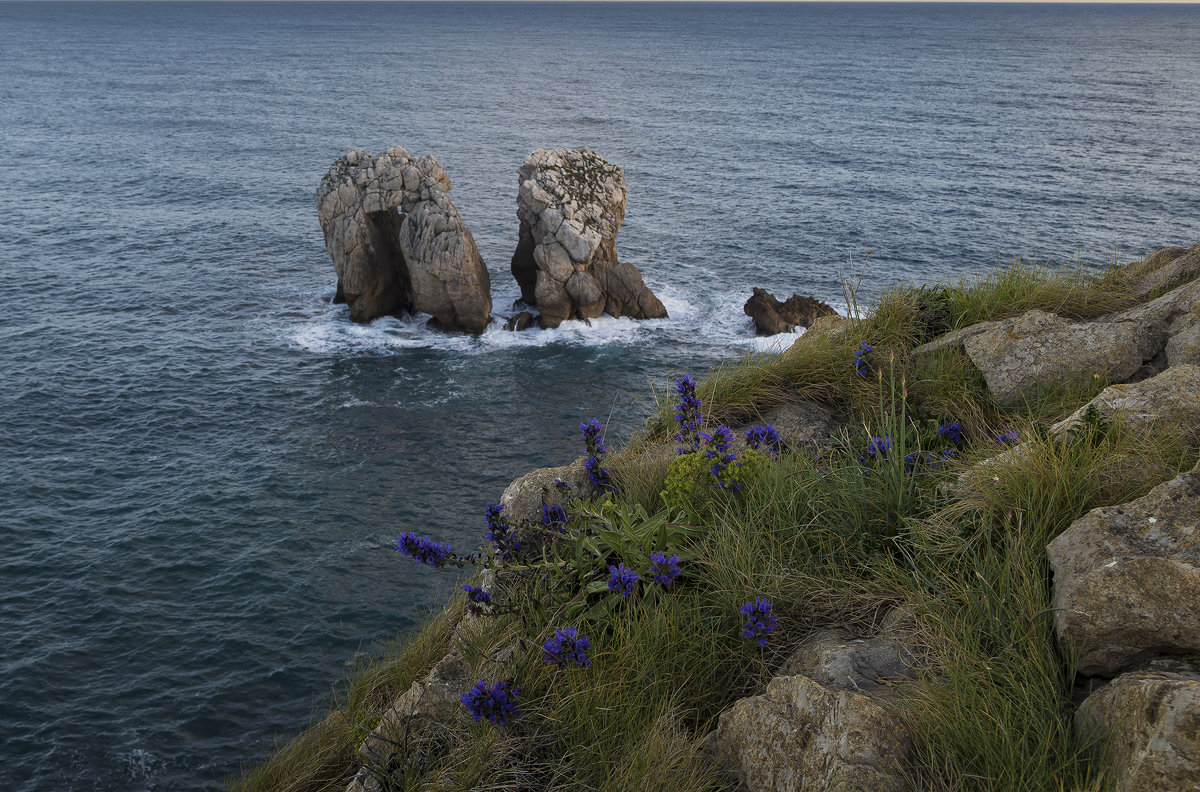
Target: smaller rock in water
point(518, 322)
point(772, 317)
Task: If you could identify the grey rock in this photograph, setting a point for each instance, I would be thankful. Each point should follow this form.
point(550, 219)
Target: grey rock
point(831, 727)
point(1150, 725)
point(1020, 355)
point(571, 204)
point(1162, 270)
point(1127, 579)
point(524, 497)
point(398, 243)
point(1167, 402)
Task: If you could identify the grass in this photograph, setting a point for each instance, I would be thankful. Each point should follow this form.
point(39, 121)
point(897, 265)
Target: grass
point(830, 540)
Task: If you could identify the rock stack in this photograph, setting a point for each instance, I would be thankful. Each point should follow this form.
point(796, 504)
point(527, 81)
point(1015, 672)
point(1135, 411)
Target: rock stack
point(571, 203)
point(398, 243)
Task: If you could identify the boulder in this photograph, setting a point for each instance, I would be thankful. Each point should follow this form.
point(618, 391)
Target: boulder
point(571, 203)
point(1149, 725)
point(799, 424)
point(1161, 271)
point(398, 243)
point(772, 317)
point(524, 497)
point(1167, 402)
point(1127, 579)
point(1020, 355)
point(827, 726)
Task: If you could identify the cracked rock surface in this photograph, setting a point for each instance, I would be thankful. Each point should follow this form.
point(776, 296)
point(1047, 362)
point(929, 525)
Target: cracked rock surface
point(1127, 579)
point(398, 243)
point(571, 203)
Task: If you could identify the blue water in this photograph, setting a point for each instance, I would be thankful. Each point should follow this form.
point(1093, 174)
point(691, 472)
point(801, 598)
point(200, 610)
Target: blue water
point(204, 465)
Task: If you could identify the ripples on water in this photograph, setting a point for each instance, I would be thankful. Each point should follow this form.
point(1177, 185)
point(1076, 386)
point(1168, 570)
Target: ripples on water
point(205, 465)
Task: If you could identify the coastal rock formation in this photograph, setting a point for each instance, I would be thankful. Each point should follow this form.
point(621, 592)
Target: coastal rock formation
point(398, 243)
point(771, 316)
point(825, 725)
point(1162, 270)
point(1127, 579)
point(799, 424)
point(571, 203)
point(1020, 355)
point(1150, 724)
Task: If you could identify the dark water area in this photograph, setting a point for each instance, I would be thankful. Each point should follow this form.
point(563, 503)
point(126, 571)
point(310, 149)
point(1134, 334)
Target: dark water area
point(204, 464)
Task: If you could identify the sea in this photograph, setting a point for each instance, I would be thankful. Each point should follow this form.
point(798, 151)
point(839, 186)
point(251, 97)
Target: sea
point(204, 464)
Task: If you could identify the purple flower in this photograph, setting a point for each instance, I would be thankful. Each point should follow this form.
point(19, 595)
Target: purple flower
point(862, 358)
point(765, 438)
point(500, 532)
point(687, 415)
point(877, 449)
point(495, 704)
point(952, 432)
point(664, 568)
point(554, 518)
point(477, 598)
point(567, 646)
point(423, 549)
point(622, 580)
point(759, 621)
point(594, 465)
point(1008, 437)
point(718, 444)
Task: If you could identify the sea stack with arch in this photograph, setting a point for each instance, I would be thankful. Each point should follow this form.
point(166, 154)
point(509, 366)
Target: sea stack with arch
point(398, 243)
point(571, 203)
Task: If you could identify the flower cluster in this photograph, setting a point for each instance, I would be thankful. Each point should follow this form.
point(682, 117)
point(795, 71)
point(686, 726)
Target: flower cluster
point(495, 704)
point(567, 646)
point(931, 461)
point(952, 432)
point(877, 449)
point(1007, 437)
point(554, 518)
point(718, 444)
point(593, 430)
point(764, 438)
point(862, 358)
point(423, 549)
point(759, 621)
point(477, 598)
point(500, 532)
point(664, 568)
point(687, 415)
point(622, 580)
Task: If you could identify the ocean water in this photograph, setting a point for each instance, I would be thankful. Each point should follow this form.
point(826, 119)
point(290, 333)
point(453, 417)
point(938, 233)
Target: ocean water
point(204, 464)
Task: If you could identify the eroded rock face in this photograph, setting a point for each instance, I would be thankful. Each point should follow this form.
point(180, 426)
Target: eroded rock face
point(1127, 579)
point(1152, 723)
point(398, 243)
point(571, 203)
point(772, 316)
point(826, 726)
point(1163, 270)
point(800, 424)
point(1167, 402)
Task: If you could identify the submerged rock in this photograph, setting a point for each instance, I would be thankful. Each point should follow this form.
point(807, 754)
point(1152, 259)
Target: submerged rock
point(772, 317)
point(398, 243)
point(1127, 579)
point(1147, 725)
point(571, 203)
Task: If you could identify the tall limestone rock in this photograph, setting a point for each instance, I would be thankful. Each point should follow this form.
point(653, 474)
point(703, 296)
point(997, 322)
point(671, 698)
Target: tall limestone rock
point(571, 203)
point(398, 243)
